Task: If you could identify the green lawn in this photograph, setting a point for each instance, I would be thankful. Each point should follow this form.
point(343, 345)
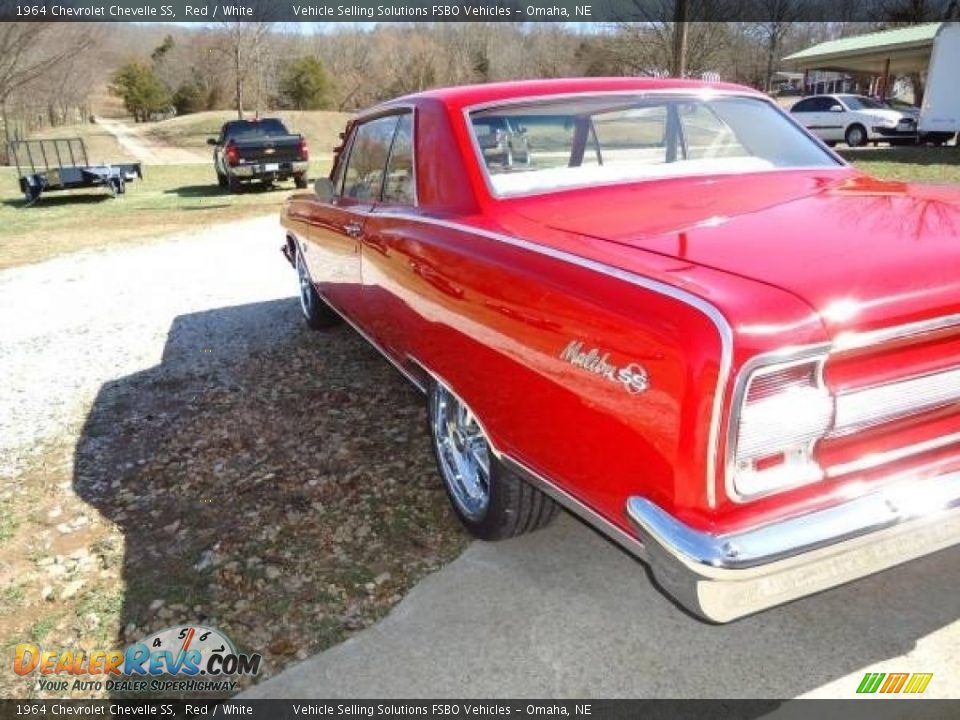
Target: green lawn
point(911, 164)
point(170, 198)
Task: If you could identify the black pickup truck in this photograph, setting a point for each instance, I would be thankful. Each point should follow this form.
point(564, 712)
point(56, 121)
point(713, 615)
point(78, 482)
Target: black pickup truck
point(262, 150)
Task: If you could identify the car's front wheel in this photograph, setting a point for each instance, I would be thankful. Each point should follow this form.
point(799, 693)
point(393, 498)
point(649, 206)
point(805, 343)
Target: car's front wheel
point(315, 311)
point(856, 136)
point(491, 501)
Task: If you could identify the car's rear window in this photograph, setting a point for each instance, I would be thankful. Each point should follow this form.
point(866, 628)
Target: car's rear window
point(249, 129)
point(554, 144)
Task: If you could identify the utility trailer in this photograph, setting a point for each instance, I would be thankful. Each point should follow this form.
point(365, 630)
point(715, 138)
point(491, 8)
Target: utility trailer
point(63, 164)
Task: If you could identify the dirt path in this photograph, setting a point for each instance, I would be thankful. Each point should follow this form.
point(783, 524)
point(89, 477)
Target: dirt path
point(145, 150)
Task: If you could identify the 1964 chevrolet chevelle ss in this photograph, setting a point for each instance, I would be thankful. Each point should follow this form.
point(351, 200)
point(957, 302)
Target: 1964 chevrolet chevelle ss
point(678, 315)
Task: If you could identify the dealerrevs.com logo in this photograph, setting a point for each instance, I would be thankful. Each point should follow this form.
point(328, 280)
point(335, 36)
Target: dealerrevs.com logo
point(189, 658)
point(894, 683)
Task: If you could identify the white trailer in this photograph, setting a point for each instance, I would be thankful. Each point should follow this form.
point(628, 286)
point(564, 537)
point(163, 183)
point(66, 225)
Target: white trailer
point(940, 112)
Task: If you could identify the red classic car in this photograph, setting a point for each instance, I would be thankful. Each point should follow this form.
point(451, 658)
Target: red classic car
point(682, 317)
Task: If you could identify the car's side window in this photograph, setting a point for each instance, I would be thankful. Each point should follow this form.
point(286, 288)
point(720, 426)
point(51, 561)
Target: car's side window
point(365, 167)
point(399, 184)
point(808, 105)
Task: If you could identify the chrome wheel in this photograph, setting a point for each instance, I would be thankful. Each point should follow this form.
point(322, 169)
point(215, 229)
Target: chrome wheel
point(306, 287)
point(463, 453)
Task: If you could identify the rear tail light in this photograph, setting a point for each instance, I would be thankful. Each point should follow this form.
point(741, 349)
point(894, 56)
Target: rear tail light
point(304, 150)
point(783, 410)
point(232, 154)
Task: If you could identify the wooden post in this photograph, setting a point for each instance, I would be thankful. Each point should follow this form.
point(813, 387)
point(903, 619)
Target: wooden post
point(680, 31)
point(885, 80)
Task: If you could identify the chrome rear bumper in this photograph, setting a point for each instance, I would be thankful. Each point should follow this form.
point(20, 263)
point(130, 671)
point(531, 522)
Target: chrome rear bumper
point(724, 577)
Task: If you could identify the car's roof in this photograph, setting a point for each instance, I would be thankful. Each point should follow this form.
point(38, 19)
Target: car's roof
point(468, 95)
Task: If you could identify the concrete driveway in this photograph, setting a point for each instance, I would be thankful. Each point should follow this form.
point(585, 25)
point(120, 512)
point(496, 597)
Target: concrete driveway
point(563, 613)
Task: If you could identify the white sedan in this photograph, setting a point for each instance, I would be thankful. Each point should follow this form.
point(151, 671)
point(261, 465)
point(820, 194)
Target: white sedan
point(854, 119)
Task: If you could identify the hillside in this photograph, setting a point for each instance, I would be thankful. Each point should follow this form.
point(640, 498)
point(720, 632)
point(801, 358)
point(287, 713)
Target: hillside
point(321, 128)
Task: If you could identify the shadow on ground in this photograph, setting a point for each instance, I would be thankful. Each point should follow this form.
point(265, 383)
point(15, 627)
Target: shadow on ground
point(214, 190)
point(268, 481)
point(61, 200)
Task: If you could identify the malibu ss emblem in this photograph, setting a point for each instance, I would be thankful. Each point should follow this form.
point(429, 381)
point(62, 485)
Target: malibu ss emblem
point(633, 377)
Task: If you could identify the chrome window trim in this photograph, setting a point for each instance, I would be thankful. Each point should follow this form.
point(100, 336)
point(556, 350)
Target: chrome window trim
point(841, 164)
point(375, 114)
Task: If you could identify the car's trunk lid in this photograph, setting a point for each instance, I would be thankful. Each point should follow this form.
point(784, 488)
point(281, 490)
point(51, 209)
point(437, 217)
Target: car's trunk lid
point(863, 252)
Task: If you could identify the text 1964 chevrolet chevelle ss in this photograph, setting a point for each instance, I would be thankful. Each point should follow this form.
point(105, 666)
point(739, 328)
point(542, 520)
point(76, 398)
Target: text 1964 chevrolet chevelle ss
point(681, 317)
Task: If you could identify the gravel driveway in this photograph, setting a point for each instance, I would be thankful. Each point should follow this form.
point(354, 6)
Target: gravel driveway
point(74, 323)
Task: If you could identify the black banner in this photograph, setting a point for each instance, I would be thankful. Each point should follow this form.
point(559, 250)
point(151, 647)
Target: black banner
point(461, 709)
point(569, 11)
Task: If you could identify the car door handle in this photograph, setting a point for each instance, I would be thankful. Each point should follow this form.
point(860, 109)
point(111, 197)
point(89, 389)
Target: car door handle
point(353, 229)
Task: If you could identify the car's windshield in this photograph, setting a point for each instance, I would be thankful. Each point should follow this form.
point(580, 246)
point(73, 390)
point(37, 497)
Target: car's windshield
point(555, 144)
point(859, 102)
point(250, 129)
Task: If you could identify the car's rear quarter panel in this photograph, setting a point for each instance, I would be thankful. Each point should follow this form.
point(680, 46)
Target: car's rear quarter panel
point(492, 320)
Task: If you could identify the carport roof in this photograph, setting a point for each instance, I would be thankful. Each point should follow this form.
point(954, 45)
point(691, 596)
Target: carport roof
point(908, 45)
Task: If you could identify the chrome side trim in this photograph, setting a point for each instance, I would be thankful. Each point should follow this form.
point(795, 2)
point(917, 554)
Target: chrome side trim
point(723, 328)
point(723, 577)
point(883, 403)
point(403, 371)
point(856, 340)
point(624, 539)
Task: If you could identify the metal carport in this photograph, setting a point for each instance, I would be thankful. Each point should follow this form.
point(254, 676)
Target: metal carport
point(882, 55)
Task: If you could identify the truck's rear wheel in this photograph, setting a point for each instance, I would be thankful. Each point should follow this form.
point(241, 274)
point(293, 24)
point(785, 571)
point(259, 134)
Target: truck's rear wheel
point(492, 502)
point(222, 180)
point(233, 185)
point(300, 181)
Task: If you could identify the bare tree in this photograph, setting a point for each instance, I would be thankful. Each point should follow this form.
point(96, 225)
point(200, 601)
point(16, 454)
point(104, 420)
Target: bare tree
point(243, 46)
point(28, 51)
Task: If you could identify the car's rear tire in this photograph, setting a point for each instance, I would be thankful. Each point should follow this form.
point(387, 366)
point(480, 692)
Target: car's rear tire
point(316, 313)
point(856, 136)
point(300, 181)
point(233, 185)
point(222, 180)
point(490, 500)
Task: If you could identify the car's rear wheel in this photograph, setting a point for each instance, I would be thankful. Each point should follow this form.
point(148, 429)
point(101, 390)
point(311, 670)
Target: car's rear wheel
point(491, 501)
point(221, 180)
point(315, 311)
point(233, 185)
point(856, 136)
point(300, 181)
